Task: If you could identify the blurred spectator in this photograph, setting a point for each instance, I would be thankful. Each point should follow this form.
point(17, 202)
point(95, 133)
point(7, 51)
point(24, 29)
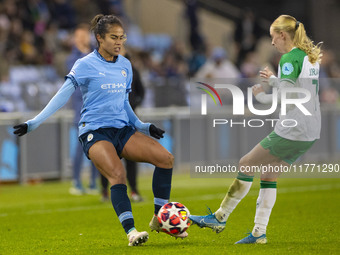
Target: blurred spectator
point(27, 48)
point(174, 62)
point(81, 47)
point(116, 8)
point(11, 9)
point(13, 41)
point(246, 36)
point(168, 77)
point(197, 43)
point(10, 96)
point(249, 71)
point(330, 68)
point(82, 14)
point(37, 16)
point(219, 66)
point(136, 37)
point(81, 44)
point(64, 13)
point(250, 66)
point(196, 39)
point(329, 71)
point(196, 61)
point(329, 96)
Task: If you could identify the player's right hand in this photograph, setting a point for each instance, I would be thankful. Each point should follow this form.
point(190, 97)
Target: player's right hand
point(20, 129)
point(266, 73)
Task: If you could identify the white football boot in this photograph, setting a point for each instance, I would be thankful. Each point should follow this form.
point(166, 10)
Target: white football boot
point(137, 238)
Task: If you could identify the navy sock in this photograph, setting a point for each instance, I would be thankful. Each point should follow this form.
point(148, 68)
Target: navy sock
point(122, 206)
point(161, 187)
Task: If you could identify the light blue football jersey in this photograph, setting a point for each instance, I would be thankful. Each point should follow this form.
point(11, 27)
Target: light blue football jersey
point(104, 85)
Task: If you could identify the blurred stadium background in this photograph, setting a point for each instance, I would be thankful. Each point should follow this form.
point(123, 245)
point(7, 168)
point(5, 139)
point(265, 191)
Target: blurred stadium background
point(169, 41)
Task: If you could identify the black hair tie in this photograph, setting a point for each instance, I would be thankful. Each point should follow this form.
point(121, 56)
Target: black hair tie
point(297, 24)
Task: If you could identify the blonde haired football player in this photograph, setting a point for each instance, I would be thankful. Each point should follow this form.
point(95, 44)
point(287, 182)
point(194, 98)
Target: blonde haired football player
point(298, 68)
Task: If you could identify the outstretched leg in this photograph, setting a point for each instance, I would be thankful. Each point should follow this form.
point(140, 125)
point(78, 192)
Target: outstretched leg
point(264, 205)
point(237, 190)
point(141, 148)
point(241, 185)
point(103, 154)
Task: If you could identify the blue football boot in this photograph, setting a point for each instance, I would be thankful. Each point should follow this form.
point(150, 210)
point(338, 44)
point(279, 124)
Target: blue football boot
point(208, 221)
point(252, 239)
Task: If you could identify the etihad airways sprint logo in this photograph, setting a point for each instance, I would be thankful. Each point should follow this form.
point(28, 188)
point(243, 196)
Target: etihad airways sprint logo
point(239, 106)
point(114, 87)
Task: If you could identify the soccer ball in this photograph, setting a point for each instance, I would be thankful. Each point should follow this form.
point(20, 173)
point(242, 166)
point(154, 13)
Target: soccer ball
point(173, 218)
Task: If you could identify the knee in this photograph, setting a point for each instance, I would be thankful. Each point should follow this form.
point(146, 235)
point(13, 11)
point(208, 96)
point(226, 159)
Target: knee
point(245, 165)
point(116, 176)
point(244, 161)
point(169, 160)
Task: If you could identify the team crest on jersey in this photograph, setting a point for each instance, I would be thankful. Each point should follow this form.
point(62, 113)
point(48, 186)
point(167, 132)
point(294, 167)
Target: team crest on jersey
point(287, 68)
point(89, 137)
point(124, 73)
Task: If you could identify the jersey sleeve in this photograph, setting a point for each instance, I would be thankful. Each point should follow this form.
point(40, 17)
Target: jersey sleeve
point(264, 98)
point(58, 101)
point(78, 73)
point(129, 77)
point(290, 68)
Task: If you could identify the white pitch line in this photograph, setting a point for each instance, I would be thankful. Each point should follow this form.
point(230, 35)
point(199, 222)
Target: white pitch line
point(47, 202)
point(309, 188)
point(193, 198)
point(256, 192)
point(72, 209)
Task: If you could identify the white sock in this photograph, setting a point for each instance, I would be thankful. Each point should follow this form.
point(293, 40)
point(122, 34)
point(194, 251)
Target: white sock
point(264, 205)
point(237, 190)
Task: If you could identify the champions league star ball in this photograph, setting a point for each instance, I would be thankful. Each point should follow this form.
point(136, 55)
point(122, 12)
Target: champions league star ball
point(173, 218)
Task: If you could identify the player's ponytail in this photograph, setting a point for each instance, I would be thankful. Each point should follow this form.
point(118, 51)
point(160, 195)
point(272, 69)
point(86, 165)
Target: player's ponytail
point(297, 32)
point(302, 42)
point(100, 24)
point(95, 21)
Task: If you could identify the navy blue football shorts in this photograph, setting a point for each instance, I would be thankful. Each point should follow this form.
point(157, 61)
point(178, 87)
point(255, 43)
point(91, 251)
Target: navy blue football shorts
point(117, 136)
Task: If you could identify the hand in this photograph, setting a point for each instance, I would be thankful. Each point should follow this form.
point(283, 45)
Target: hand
point(266, 73)
point(257, 88)
point(156, 132)
point(20, 129)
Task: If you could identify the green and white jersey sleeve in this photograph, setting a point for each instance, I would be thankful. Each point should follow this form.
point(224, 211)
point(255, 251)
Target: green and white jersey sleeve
point(291, 64)
point(295, 68)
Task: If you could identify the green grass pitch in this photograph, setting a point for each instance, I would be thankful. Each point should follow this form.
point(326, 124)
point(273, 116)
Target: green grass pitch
point(45, 219)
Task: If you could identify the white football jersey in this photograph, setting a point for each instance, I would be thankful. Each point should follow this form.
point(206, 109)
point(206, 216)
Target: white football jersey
point(295, 68)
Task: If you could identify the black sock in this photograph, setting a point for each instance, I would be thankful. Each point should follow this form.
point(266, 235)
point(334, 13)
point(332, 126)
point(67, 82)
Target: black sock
point(122, 206)
point(161, 187)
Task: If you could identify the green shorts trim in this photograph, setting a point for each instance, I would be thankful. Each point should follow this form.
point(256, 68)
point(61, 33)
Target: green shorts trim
point(287, 150)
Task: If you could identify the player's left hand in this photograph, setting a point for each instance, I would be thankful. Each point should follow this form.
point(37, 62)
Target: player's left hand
point(20, 129)
point(156, 132)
